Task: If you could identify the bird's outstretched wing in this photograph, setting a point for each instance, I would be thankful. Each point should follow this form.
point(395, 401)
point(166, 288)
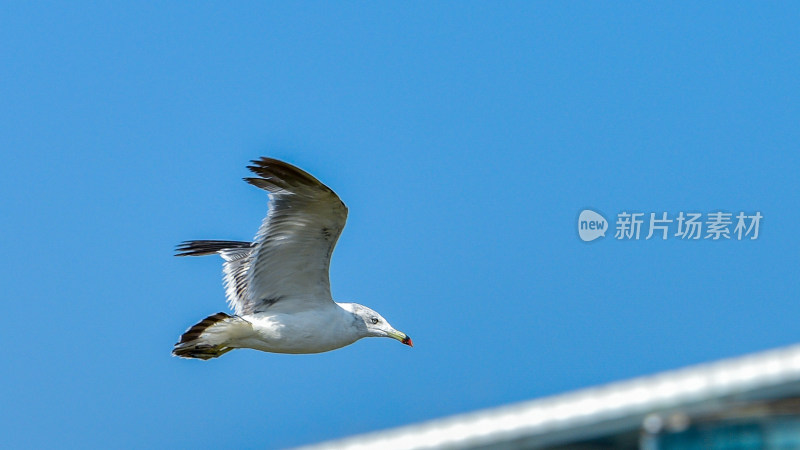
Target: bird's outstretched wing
point(288, 266)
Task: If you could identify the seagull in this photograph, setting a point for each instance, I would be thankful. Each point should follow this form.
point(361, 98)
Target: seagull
point(278, 285)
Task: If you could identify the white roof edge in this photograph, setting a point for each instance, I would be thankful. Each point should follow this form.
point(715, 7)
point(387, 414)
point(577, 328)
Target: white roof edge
point(618, 405)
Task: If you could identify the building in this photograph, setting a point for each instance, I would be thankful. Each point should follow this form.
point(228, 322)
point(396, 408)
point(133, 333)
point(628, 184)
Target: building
point(750, 402)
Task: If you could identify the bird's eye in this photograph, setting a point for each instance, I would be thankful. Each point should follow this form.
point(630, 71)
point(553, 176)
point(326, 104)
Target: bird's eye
point(374, 320)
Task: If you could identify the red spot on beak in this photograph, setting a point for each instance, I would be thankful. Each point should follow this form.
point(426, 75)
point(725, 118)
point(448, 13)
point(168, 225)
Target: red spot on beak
point(408, 342)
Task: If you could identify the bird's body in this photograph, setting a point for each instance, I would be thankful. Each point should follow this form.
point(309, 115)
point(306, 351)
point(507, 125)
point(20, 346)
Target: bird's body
point(310, 331)
point(278, 285)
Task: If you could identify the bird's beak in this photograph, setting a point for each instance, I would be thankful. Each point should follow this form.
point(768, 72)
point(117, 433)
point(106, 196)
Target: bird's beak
point(402, 337)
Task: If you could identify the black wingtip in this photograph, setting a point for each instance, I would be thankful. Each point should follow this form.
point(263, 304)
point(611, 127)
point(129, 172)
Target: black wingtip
point(207, 247)
point(273, 174)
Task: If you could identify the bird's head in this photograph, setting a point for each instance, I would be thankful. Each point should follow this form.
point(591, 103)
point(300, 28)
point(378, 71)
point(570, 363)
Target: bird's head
point(376, 325)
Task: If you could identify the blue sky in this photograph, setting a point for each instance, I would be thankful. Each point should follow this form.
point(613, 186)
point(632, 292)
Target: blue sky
point(464, 137)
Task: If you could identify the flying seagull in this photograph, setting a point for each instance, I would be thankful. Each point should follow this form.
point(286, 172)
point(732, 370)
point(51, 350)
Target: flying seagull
point(278, 286)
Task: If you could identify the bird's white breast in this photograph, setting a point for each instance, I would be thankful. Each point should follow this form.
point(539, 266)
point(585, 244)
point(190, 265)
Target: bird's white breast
point(310, 331)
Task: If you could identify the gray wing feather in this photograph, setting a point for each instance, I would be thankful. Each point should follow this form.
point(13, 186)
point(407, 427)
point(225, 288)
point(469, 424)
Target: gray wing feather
point(234, 269)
